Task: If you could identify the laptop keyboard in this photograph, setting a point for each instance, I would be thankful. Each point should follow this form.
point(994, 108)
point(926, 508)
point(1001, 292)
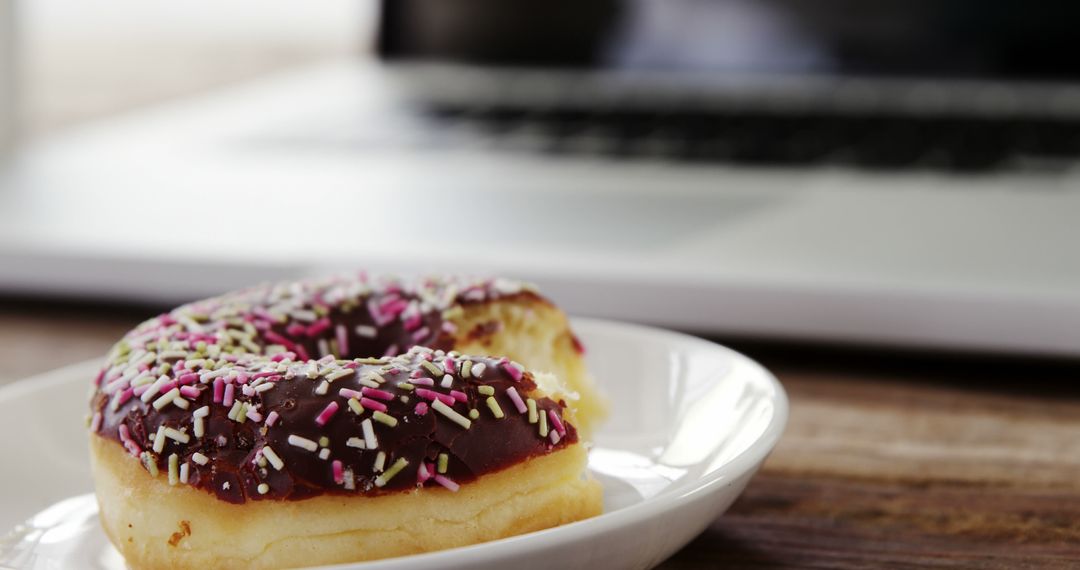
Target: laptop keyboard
point(966, 144)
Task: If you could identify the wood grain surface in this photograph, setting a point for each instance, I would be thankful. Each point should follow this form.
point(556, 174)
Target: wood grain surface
point(890, 459)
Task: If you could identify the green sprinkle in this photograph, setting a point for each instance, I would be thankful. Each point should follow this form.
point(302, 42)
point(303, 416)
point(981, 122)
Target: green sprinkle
point(434, 370)
point(494, 407)
point(531, 403)
point(384, 418)
point(150, 462)
point(474, 413)
point(543, 425)
point(355, 406)
point(406, 386)
point(264, 488)
point(380, 461)
point(394, 469)
point(486, 390)
point(450, 413)
point(324, 441)
point(174, 469)
point(368, 361)
point(466, 369)
point(340, 374)
point(444, 461)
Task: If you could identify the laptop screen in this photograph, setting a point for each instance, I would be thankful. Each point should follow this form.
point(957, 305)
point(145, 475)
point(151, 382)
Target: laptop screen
point(962, 39)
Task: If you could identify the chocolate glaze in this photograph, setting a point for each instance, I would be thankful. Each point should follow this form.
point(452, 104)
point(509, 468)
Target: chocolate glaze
point(234, 472)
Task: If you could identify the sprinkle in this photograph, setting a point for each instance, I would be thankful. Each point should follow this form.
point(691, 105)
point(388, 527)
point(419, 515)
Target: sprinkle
point(174, 469)
point(376, 393)
point(339, 374)
point(350, 482)
point(447, 381)
point(355, 406)
point(369, 434)
point(466, 369)
point(449, 366)
point(339, 472)
point(229, 394)
point(252, 414)
point(273, 458)
point(373, 405)
point(302, 442)
point(434, 370)
point(150, 463)
point(421, 334)
point(516, 399)
point(263, 387)
point(543, 425)
point(493, 405)
point(459, 395)
point(384, 418)
point(153, 389)
point(449, 412)
point(478, 369)
point(444, 462)
point(533, 416)
point(349, 393)
point(219, 389)
point(557, 423)
point(181, 403)
point(95, 422)
point(380, 462)
point(198, 427)
point(514, 369)
point(176, 435)
point(202, 459)
point(324, 441)
point(423, 381)
point(234, 411)
point(421, 409)
point(486, 390)
point(190, 392)
point(342, 339)
point(121, 398)
point(185, 469)
point(272, 418)
point(366, 331)
point(355, 442)
point(392, 350)
point(394, 469)
point(554, 436)
point(446, 483)
point(406, 386)
point(159, 439)
point(433, 395)
point(474, 414)
point(263, 488)
point(422, 474)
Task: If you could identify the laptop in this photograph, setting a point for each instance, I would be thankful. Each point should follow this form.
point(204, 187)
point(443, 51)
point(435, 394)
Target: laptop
point(895, 173)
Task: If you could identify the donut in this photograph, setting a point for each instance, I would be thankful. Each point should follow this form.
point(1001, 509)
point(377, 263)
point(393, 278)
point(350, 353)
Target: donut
point(335, 421)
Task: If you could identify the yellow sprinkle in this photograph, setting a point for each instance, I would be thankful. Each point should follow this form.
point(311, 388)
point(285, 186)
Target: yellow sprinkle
point(494, 407)
point(355, 406)
point(174, 469)
point(324, 441)
point(450, 413)
point(444, 461)
point(434, 370)
point(531, 403)
point(474, 413)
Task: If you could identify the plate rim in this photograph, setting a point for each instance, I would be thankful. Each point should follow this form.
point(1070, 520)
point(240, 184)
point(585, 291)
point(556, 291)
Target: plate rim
point(736, 467)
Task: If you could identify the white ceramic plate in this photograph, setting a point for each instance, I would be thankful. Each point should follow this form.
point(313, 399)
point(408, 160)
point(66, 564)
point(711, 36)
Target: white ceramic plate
point(691, 421)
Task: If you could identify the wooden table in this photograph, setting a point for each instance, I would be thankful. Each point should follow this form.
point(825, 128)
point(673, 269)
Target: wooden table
point(892, 460)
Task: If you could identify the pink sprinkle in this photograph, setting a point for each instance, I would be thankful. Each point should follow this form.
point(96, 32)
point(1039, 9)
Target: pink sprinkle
point(282, 356)
point(422, 473)
point(133, 448)
point(248, 391)
point(125, 433)
point(388, 300)
point(413, 321)
point(391, 350)
point(230, 391)
point(95, 423)
point(421, 408)
point(514, 371)
point(272, 418)
point(327, 413)
point(242, 378)
point(449, 327)
point(433, 395)
point(138, 390)
point(516, 399)
point(263, 375)
point(376, 393)
point(372, 404)
point(254, 415)
point(318, 326)
point(449, 366)
point(459, 395)
point(219, 389)
point(100, 377)
point(278, 339)
point(377, 315)
point(447, 483)
point(167, 386)
point(339, 472)
point(349, 393)
point(114, 385)
point(420, 334)
point(262, 325)
point(124, 396)
point(342, 339)
point(189, 378)
point(189, 392)
point(557, 422)
point(295, 329)
point(554, 437)
point(301, 352)
point(416, 374)
point(351, 365)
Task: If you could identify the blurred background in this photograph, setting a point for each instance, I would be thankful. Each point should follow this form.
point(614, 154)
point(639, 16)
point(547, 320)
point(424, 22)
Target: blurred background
point(893, 173)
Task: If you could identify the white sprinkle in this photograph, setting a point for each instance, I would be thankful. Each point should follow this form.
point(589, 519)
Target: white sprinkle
point(181, 403)
point(303, 442)
point(199, 458)
point(323, 387)
point(153, 389)
point(263, 488)
point(340, 374)
point(184, 470)
point(478, 369)
point(369, 434)
point(447, 381)
point(366, 331)
point(380, 462)
point(355, 442)
point(324, 453)
point(350, 480)
point(177, 435)
point(201, 412)
point(159, 440)
point(264, 387)
point(198, 427)
point(174, 469)
point(234, 410)
point(273, 458)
